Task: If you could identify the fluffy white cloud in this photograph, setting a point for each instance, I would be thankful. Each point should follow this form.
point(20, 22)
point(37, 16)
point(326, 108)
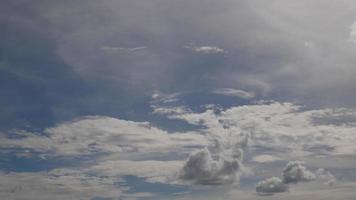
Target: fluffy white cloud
point(296, 172)
point(271, 185)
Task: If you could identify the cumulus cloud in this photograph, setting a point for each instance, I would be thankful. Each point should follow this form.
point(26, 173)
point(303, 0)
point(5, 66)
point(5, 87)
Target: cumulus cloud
point(234, 93)
point(295, 172)
point(220, 163)
point(204, 168)
point(271, 185)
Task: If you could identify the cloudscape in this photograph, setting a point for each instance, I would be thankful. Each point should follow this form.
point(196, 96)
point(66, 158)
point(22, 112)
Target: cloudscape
point(178, 100)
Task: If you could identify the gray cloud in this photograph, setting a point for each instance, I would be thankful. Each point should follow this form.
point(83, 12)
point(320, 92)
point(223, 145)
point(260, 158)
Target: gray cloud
point(279, 50)
point(271, 185)
point(278, 45)
point(204, 168)
point(326, 176)
point(296, 172)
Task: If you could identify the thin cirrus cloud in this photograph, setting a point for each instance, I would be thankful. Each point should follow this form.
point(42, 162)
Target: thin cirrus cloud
point(124, 49)
point(234, 93)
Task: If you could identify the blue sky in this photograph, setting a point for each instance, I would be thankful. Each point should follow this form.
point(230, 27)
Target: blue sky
point(182, 100)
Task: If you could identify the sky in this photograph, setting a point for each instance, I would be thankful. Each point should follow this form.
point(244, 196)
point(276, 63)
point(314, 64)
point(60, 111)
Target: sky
point(178, 100)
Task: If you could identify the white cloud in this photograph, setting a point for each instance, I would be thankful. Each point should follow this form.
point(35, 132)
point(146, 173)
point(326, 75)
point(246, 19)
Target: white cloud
point(109, 48)
point(234, 92)
point(280, 126)
point(103, 135)
point(57, 184)
point(271, 185)
point(206, 49)
point(204, 168)
point(151, 170)
point(296, 172)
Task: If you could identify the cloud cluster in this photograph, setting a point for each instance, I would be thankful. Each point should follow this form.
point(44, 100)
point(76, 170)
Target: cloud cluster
point(121, 147)
point(293, 173)
point(277, 126)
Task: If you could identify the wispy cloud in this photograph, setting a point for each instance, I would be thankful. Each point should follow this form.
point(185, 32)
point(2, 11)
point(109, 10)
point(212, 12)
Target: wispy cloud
point(234, 93)
point(206, 49)
point(123, 49)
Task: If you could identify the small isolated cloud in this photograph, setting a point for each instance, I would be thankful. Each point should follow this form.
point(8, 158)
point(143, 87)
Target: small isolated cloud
point(295, 172)
point(234, 93)
point(124, 49)
point(271, 185)
point(206, 49)
point(204, 168)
